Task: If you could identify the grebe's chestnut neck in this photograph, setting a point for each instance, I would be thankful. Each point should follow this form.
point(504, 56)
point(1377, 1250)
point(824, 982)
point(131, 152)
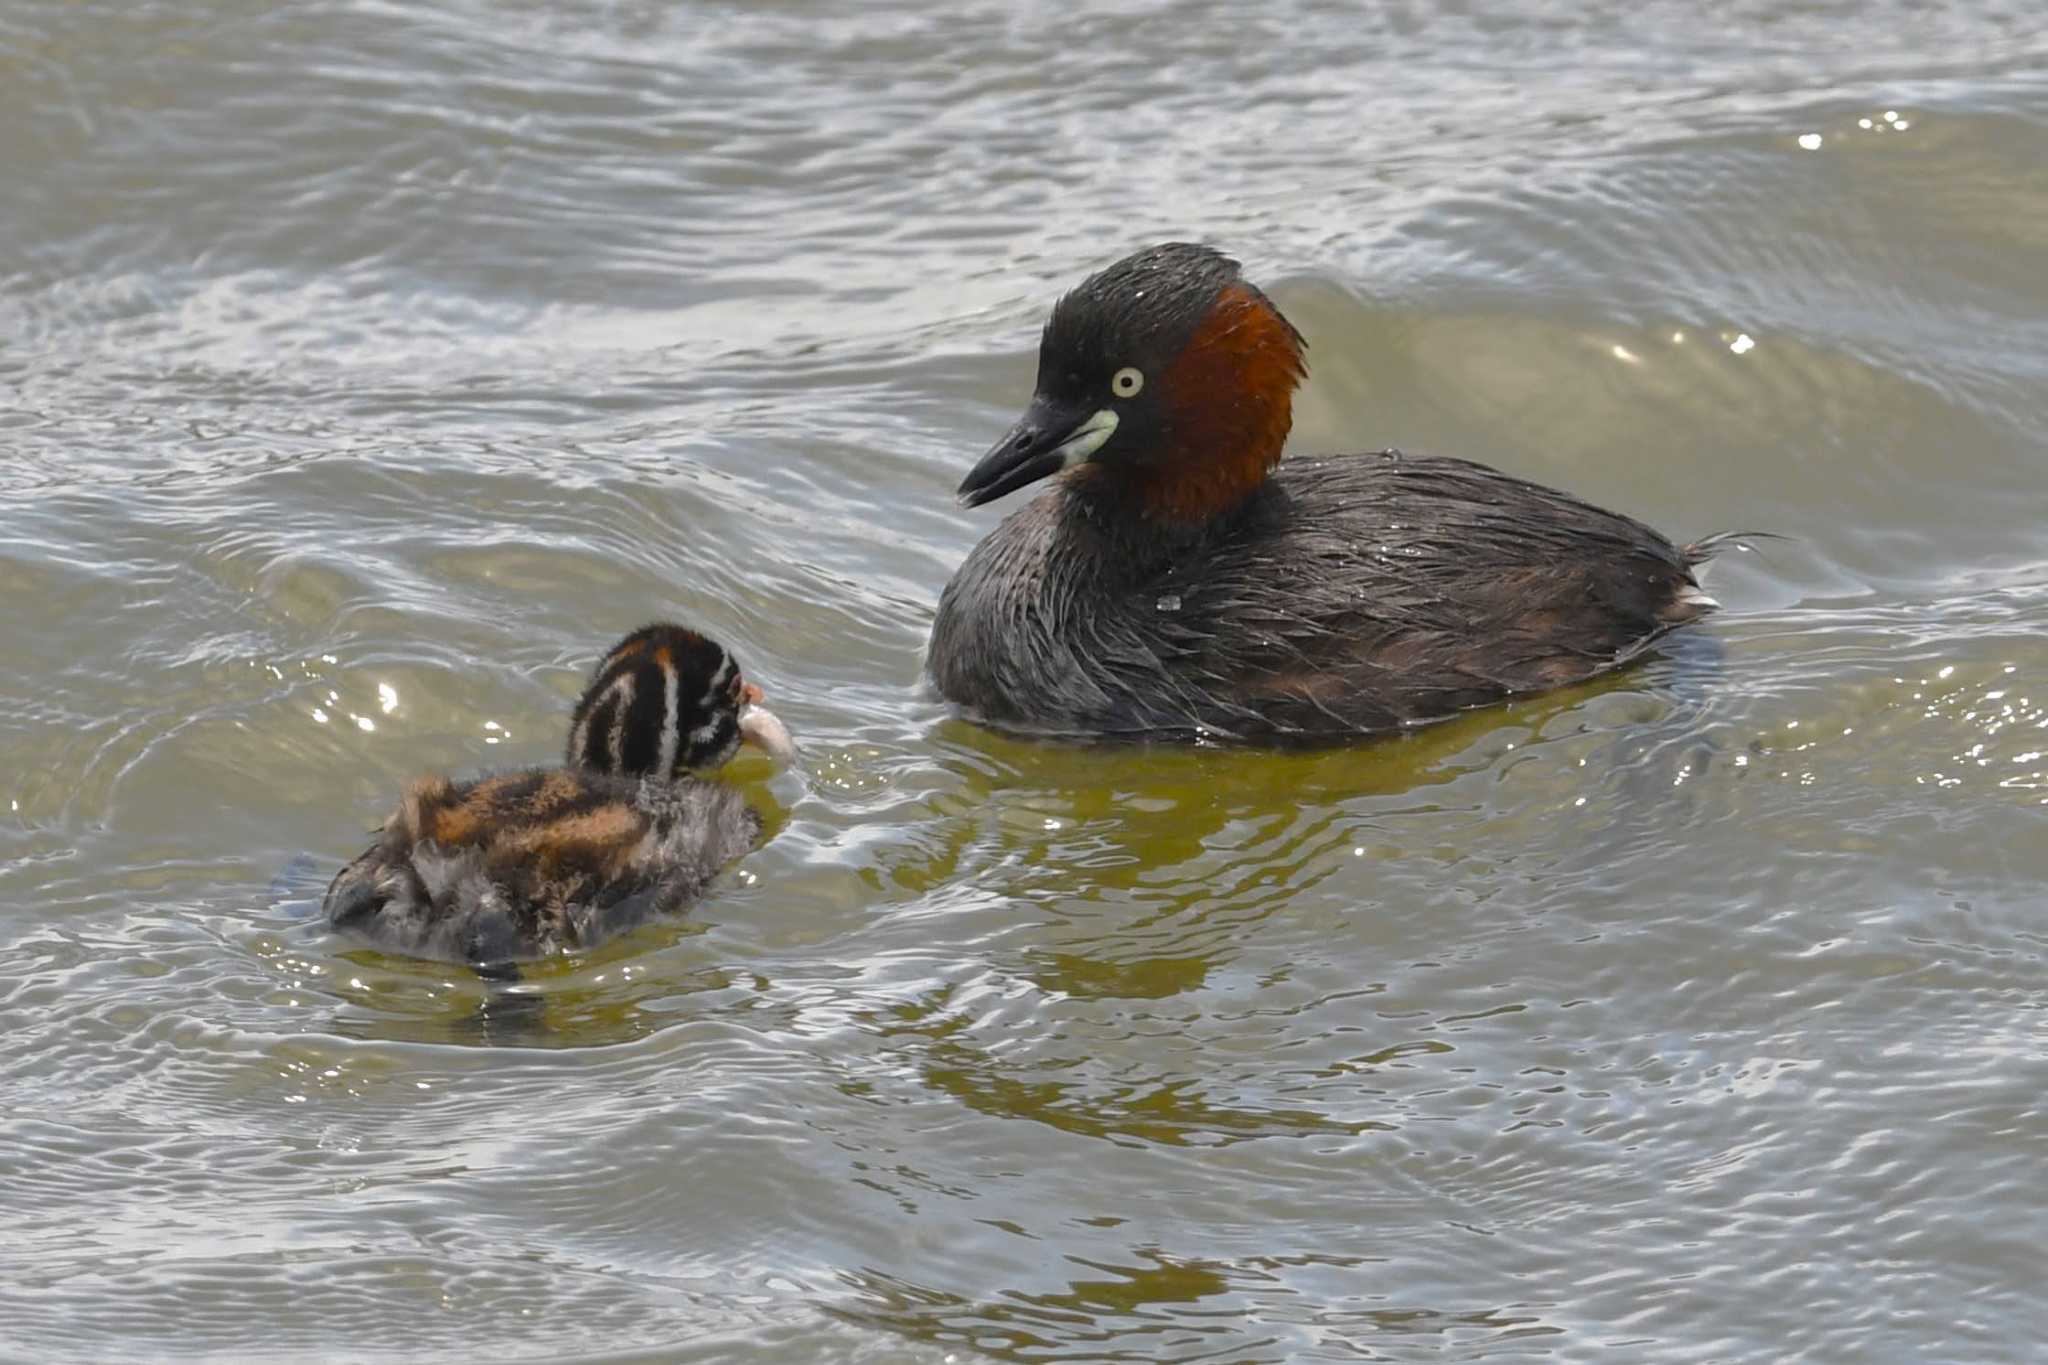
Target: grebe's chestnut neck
point(1165, 383)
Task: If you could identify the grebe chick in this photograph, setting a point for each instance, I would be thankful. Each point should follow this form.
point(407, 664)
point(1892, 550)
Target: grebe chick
point(551, 860)
point(1179, 580)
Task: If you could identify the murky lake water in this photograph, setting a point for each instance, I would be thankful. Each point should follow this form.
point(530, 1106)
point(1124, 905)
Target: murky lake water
point(366, 369)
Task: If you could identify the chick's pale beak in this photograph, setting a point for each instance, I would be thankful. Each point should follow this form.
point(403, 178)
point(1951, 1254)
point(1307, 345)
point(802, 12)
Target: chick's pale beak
point(1047, 438)
point(761, 728)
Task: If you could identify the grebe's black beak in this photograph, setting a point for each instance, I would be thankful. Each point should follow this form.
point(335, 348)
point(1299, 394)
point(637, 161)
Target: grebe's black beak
point(1049, 436)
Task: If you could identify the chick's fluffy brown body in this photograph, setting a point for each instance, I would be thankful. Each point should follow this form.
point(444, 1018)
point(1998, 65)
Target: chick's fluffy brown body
point(555, 860)
point(530, 864)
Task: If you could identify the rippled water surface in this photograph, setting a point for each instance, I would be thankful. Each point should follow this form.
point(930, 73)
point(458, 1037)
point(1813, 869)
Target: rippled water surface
point(366, 368)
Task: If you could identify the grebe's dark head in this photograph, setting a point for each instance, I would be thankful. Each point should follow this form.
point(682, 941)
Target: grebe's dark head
point(1166, 378)
point(665, 701)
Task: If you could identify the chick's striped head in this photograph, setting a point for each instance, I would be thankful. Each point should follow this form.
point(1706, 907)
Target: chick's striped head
point(666, 701)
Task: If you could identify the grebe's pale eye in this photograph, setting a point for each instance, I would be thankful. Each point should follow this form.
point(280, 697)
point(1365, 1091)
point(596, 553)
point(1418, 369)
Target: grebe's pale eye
point(1127, 382)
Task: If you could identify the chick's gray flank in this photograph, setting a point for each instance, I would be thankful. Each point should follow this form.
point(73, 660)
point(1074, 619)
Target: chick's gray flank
point(530, 864)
